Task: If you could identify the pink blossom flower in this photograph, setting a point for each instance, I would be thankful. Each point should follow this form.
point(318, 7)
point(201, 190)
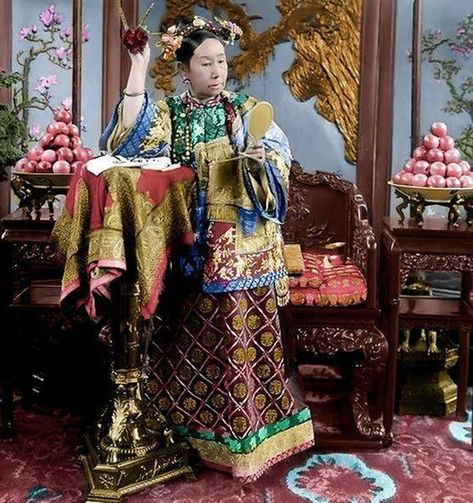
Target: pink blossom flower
point(45, 82)
point(167, 39)
point(24, 32)
point(66, 32)
point(67, 103)
point(69, 54)
point(460, 49)
point(52, 79)
point(47, 16)
point(35, 131)
point(60, 52)
point(85, 33)
point(34, 28)
point(57, 18)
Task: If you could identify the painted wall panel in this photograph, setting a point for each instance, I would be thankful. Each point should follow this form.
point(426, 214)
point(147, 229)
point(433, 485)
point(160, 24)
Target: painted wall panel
point(25, 14)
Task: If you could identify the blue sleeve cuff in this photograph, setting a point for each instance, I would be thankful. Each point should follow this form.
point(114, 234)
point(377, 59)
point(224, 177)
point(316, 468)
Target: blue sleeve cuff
point(277, 187)
point(131, 146)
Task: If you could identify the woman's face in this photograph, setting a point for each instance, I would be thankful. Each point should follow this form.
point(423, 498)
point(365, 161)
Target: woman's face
point(207, 70)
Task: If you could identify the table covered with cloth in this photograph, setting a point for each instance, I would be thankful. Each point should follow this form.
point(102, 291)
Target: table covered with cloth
point(124, 221)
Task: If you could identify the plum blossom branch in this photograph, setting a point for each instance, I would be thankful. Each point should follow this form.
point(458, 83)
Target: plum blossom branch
point(448, 69)
point(51, 39)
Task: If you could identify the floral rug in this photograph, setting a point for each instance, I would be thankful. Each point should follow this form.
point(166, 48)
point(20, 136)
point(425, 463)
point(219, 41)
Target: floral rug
point(430, 461)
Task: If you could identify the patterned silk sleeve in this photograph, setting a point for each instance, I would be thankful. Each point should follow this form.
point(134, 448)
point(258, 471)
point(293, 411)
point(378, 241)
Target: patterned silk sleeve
point(268, 188)
point(148, 137)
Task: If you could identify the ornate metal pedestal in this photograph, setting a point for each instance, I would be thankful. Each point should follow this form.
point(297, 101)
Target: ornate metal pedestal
point(427, 387)
point(130, 450)
point(36, 189)
point(417, 203)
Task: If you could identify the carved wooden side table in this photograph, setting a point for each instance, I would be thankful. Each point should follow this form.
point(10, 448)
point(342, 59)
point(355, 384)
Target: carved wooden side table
point(26, 255)
point(434, 247)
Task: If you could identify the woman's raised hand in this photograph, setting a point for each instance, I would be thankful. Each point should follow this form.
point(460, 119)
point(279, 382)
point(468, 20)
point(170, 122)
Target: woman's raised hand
point(141, 58)
point(135, 86)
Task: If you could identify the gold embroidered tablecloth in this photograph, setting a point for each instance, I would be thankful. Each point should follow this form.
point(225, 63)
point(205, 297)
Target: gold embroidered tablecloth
point(124, 221)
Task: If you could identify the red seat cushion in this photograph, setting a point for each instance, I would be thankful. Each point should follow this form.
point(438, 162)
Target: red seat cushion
point(324, 284)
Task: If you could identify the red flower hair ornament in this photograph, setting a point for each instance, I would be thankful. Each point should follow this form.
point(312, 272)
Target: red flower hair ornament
point(134, 38)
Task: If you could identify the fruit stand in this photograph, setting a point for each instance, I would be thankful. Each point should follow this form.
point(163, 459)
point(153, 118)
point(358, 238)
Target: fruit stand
point(436, 174)
point(46, 170)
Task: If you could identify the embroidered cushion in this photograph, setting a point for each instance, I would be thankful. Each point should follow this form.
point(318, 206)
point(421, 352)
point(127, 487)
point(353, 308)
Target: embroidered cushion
point(293, 258)
point(312, 272)
point(325, 284)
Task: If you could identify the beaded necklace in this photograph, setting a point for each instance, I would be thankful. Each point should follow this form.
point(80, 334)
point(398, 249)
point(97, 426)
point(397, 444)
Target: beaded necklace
point(185, 106)
point(187, 141)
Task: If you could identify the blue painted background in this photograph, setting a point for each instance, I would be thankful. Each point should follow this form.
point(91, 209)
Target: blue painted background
point(316, 143)
point(26, 13)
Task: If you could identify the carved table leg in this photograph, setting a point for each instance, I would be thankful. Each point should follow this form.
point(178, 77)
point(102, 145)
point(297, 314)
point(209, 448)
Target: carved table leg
point(464, 343)
point(125, 454)
point(453, 210)
point(374, 347)
point(6, 377)
point(402, 205)
point(375, 351)
point(418, 206)
point(468, 206)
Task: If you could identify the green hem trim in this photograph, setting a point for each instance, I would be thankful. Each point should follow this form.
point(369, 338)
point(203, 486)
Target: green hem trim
point(252, 441)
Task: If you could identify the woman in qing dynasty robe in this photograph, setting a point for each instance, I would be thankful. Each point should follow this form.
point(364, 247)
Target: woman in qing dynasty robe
point(216, 364)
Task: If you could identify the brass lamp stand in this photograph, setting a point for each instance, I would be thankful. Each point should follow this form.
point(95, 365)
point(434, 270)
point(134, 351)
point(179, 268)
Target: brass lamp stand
point(125, 455)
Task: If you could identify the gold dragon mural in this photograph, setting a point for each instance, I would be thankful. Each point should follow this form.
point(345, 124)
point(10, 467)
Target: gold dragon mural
point(326, 41)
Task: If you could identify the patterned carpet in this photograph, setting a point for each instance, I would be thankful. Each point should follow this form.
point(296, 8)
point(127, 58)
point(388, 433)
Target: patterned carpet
point(431, 461)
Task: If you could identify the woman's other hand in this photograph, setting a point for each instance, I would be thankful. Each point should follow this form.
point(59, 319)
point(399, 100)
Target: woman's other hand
point(256, 155)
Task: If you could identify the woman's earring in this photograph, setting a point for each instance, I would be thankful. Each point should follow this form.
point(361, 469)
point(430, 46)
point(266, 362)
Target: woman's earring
point(185, 80)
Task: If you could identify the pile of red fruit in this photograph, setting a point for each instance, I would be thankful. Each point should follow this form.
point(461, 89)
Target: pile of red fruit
point(60, 149)
point(436, 163)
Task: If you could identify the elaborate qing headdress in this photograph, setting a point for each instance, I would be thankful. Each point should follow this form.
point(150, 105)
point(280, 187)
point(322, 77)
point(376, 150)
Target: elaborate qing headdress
point(171, 40)
point(135, 37)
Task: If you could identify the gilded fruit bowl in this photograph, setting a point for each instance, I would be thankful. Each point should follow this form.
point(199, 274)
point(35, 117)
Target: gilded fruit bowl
point(45, 180)
point(432, 194)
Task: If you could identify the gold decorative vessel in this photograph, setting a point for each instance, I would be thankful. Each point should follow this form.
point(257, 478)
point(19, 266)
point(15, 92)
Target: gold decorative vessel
point(35, 189)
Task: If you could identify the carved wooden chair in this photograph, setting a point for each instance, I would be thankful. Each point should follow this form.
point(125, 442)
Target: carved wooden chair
point(324, 209)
